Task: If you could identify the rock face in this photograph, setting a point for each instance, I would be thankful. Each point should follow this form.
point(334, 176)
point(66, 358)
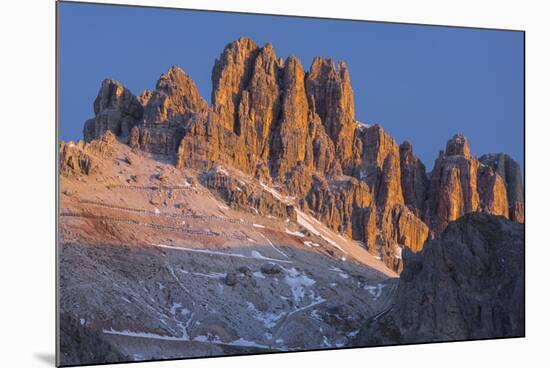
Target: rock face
point(492, 192)
point(331, 98)
point(175, 98)
point(291, 141)
point(466, 284)
point(510, 171)
point(453, 184)
point(116, 109)
point(414, 181)
point(85, 158)
point(241, 196)
point(281, 125)
point(343, 204)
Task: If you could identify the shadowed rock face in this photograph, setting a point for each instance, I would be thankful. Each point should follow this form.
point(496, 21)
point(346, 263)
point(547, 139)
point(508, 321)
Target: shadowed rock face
point(80, 345)
point(510, 171)
point(466, 284)
point(413, 181)
point(116, 109)
point(296, 129)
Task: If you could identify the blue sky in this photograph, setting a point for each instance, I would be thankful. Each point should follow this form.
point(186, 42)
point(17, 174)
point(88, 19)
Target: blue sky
point(421, 83)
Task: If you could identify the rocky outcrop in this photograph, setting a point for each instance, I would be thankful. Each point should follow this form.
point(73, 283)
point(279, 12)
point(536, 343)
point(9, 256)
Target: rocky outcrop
point(175, 98)
point(85, 158)
point(167, 112)
point(460, 183)
point(74, 160)
point(396, 228)
point(510, 171)
point(492, 192)
point(241, 196)
point(453, 184)
point(342, 204)
point(116, 109)
point(466, 284)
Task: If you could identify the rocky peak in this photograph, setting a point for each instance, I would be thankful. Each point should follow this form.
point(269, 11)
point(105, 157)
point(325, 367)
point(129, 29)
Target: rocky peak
point(116, 109)
point(114, 96)
point(461, 184)
point(331, 98)
point(175, 96)
point(258, 107)
point(453, 184)
point(230, 77)
point(457, 145)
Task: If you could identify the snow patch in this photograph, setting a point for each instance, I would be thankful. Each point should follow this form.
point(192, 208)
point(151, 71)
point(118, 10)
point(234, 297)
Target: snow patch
point(257, 255)
point(295, 233)
point(247, 343)
point(211, 275)
point(146, 335)
point(254, 254)
point(375, 291)
point(340, 272)
point(297, 281)
point(398, 251)
point(304, 220)
point(258, 274)
point(268, 319)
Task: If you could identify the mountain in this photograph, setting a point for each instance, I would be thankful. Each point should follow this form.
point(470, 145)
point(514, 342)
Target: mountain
point(273, 220)
point(466, 284)
point(296, 130)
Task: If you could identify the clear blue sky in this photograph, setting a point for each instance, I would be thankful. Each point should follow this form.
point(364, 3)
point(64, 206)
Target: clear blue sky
point(421, 83)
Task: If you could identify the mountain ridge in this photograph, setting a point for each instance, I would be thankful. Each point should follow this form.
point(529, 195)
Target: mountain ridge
point(296, 129)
